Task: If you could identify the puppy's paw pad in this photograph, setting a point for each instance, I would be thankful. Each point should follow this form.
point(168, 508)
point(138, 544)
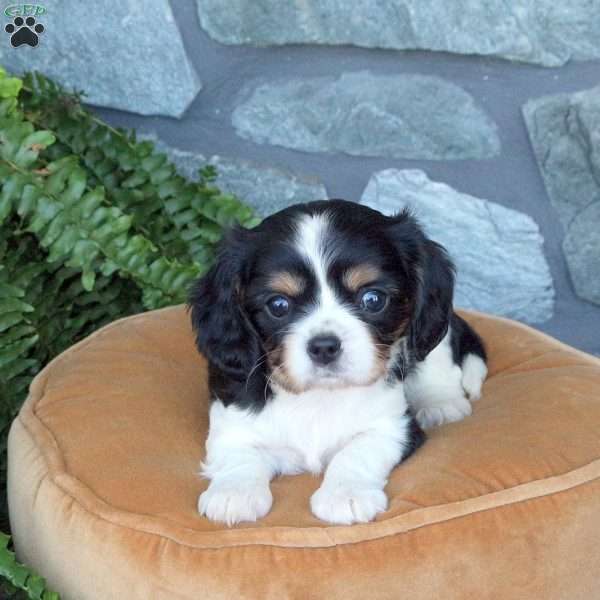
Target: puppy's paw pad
point(434, 416)
point(346, 505)
point(232, 504)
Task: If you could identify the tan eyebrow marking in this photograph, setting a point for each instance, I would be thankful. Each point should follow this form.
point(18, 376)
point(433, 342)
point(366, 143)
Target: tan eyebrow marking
point(360, 275)
point(287, 283)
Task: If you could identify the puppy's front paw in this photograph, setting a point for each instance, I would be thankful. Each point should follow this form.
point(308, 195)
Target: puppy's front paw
point(232, 503)
point(433, 416)
point(347, 504)
point(474, 372)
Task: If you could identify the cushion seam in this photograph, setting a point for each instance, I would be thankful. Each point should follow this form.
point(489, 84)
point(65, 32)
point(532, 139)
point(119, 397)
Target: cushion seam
point(322, 531)
point(333, 544)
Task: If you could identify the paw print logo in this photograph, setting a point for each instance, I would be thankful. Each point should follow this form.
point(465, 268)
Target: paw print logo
point(24, 31)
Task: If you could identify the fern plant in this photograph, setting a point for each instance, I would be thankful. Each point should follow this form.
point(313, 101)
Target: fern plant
point(94, 225)
point(18, 579)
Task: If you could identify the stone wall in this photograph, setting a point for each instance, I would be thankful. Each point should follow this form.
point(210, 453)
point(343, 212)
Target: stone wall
point(483, 117)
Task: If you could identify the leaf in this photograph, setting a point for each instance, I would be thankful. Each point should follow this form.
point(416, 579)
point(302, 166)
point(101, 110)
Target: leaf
point(8, 319)
point(16, 333)
point(14, 304)
point(31, 146)
point(87, 279)
point(9, 86)
point(20, 576)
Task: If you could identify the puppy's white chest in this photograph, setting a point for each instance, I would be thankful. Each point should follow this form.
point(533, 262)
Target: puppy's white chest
point(302, 432)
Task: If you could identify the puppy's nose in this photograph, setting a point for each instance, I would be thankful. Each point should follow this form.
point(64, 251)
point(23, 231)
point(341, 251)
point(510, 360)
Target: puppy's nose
point(324, 349)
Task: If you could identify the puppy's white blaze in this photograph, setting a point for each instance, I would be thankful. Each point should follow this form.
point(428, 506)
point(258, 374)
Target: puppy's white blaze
point(357, 361)
point(311, 233)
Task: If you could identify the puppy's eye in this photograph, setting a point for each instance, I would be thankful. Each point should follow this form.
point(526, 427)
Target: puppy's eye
point(278, 306)
point(373, 301)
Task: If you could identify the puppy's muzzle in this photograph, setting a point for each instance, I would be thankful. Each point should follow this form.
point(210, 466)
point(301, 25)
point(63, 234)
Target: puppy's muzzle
point(324, 349)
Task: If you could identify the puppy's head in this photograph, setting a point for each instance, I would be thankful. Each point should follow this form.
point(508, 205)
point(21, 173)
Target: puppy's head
point(327, 294)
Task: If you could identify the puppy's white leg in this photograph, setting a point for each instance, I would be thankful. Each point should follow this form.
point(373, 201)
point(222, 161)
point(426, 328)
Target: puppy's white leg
point(352, 489)
point(435, 390)
point(239, 473)
point(474, 372)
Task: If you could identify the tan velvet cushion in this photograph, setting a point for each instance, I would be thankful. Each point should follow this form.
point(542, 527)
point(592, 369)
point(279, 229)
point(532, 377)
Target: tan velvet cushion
point(505, 504)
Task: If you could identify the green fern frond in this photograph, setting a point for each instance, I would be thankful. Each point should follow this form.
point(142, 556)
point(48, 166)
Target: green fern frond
point(94, 225)
point(141, 182)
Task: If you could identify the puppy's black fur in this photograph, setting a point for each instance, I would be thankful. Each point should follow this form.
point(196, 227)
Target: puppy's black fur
point(464, 340)
point(235, 333)
point(224, 333)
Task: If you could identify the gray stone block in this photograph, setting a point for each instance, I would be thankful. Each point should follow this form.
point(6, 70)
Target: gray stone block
point(498, 253)
point(544, 32)
point(267, 189)
point(582, 251)
point(401, 116)
point(565, 133)
point(126, 55)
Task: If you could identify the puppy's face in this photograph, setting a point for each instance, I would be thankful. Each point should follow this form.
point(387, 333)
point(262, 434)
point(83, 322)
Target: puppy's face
point(320, 295)
point(329, 298)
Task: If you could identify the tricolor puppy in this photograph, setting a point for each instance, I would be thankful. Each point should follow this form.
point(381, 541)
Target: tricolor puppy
point(331, 341)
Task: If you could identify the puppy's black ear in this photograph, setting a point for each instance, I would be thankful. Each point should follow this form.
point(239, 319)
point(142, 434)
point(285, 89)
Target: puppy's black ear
point(430, 275)
point(224, 333)
point(433, 307)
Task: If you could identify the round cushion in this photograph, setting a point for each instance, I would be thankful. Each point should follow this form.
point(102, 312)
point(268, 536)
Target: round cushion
point(103, 484)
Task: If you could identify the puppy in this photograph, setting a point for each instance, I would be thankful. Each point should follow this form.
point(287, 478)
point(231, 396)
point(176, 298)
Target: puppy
point(331, 341)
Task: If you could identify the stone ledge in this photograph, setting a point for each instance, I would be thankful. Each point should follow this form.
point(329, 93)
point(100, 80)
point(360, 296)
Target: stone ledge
point(544, 32)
